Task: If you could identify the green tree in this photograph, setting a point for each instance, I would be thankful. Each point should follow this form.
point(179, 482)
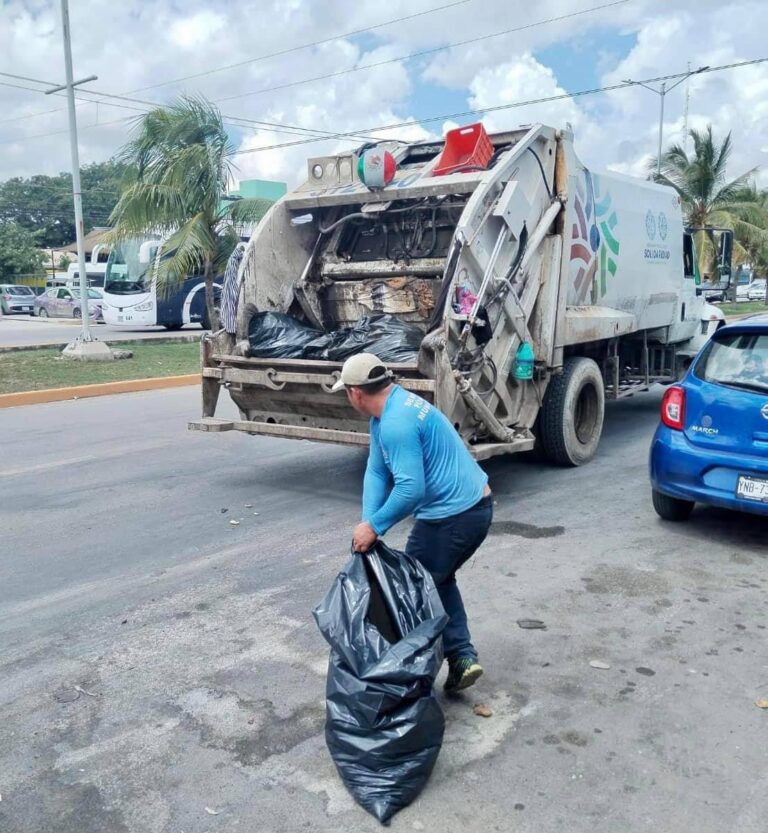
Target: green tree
point(710, 199)
point(19, 254)
point(43, 204)
point(756, 251)
point(183, 161)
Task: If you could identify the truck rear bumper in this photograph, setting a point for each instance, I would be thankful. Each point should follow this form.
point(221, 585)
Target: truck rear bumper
point(480, 451)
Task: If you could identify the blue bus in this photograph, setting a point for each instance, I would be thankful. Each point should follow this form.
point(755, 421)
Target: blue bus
point(130, 291)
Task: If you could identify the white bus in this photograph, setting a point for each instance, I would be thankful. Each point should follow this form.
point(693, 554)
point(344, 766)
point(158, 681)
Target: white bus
point(130, 291)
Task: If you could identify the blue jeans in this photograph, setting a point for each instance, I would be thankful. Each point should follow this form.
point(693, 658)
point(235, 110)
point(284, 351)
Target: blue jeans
point(442, 546)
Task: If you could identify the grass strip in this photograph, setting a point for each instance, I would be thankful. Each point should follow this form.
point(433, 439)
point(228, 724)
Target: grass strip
point(25, 370)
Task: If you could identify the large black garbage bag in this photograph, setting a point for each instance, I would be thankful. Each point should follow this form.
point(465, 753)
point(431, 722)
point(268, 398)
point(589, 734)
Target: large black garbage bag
point(275, 335)
point(391, 339)
point(384, 726)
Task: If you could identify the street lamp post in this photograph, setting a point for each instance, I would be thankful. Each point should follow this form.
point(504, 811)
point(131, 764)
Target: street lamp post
point(662, 92)
point(85, 336)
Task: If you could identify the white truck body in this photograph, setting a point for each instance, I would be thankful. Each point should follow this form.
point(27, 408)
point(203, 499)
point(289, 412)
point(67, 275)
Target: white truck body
point(587, 268)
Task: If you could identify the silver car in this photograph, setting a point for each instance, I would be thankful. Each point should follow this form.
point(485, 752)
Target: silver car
point(63, 302)
point(757, 290)
point(16, 299)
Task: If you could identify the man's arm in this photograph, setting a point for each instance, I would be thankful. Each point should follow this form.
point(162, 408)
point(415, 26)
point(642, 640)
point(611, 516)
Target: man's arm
point(403, 444)
point(377, 481)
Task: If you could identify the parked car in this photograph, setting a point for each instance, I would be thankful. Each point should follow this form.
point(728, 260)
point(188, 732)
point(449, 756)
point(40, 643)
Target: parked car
point(712, 444)
point(15, 298)
point(64, 302)
point(757, 290)
point(742, 292)
point(711, 293)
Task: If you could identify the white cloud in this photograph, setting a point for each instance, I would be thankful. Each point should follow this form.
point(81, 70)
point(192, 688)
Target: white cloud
point(734, 100)
point(134, 44)
point(524, 79)
point(196, 30)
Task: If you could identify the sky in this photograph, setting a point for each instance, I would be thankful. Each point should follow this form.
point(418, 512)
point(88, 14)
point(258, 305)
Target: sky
point(323, 80)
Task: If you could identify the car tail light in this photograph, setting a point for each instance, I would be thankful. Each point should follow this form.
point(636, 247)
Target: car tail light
point(673, 408)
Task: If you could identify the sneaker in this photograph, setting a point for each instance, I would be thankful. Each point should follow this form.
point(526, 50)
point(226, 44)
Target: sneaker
point(462, 673)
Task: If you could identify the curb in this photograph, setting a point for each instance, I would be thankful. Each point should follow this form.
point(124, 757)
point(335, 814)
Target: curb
point(36, 397)
point(183, 339)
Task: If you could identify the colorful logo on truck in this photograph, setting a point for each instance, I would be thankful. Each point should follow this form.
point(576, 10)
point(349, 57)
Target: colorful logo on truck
point(594, 242)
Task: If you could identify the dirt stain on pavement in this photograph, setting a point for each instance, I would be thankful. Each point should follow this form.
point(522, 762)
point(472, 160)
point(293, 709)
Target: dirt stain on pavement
point(525, 530)
point(279, 735)
point(626, 581)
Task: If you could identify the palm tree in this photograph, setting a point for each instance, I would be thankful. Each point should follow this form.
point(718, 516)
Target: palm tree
point(710, 200)
point(181, 163)
point(757, 250)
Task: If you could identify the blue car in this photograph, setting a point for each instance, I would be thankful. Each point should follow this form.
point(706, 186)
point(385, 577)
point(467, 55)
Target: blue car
point(712, 444)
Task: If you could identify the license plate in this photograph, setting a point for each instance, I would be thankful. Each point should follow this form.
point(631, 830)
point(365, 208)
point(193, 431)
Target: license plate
point(752, 488)
point(27, 309)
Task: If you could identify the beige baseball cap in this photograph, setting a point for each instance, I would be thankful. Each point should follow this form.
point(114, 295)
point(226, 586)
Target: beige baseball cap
point(362, 369)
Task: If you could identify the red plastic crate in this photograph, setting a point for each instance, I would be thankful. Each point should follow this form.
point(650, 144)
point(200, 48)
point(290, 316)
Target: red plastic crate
point(465, 147)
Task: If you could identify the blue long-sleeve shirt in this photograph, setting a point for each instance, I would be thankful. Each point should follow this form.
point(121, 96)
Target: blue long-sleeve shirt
point(417, 465)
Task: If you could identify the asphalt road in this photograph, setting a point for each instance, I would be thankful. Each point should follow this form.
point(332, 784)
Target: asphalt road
point(26, 331)
point(200, 673)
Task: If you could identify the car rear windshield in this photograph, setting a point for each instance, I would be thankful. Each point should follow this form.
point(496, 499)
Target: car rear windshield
point(19, 290)
point(738, 360)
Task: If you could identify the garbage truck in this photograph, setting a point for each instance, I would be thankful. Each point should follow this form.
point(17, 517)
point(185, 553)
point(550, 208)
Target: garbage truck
point(537, 287)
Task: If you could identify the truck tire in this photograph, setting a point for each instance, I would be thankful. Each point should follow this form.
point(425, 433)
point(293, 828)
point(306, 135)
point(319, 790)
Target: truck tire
point(571, 418)
point(671, 508)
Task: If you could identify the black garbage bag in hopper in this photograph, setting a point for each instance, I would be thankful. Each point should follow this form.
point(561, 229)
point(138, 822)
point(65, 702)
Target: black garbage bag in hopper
point(384, 726)
point(275, 335)
point(389, 338)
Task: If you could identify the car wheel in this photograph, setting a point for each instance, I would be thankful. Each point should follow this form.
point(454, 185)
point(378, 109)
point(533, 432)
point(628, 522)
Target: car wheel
point(671, 508)
point(571, 419)
point(42, 313)
point(76, 313)
point(176, 325)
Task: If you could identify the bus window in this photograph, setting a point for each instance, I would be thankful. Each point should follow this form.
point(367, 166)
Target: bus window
point(129, 267)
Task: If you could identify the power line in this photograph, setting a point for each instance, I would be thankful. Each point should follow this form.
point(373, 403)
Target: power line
point(424, 52)
point(348, 135)
point(232, 121)
point(302, 46)
point(275, 127)
point(289, 128)
point(61, 132)
point(279, 53)
point(26, 78)
point(26, 185)
point(47, 202)
point(498, 107)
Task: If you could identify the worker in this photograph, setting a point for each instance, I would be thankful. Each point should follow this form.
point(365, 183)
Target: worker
point(418, 465)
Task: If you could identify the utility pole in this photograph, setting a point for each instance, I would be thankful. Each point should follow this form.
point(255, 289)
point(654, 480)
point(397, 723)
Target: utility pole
point(81, 348)
point(662, 92)
point(687, 108)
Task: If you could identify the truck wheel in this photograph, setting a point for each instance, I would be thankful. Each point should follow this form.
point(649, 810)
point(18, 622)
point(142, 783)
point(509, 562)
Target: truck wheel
point(571, 419)
point(671, 508)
